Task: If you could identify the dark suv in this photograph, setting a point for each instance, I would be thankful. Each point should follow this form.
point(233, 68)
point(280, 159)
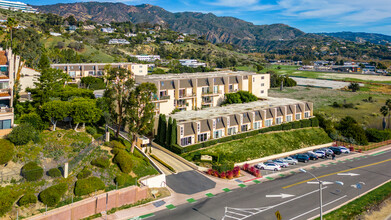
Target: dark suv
point(336, 150)
point(312, 156)
point(302, 157)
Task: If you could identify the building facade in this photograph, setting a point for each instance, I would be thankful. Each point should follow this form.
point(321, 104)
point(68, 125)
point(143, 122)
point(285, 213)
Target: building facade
point(199, 126)
point(16, 6)
point(79, 70)
point(8, 64)
point(193, 91)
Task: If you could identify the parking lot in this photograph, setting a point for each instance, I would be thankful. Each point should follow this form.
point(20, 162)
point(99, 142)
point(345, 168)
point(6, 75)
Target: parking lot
point(301, 164)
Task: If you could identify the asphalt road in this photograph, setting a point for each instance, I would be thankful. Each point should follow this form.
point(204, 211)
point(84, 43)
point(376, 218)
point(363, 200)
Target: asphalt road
point(251, 202)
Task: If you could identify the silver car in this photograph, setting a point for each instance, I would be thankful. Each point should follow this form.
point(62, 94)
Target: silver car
point(281, 163)
point(289, 160)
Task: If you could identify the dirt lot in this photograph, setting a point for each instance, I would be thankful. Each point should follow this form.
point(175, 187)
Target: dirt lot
point(356, 76)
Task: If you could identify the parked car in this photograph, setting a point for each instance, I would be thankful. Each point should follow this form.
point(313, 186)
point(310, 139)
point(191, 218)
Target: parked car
point(268, 166)
point(281, 163)
point(302, 158)
point(344, 149)
point(320, 154)
point(289, 160)
point(336, 150)
point(327, 151)
point(312, 156)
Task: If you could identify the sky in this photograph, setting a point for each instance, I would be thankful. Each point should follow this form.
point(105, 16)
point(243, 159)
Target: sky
point(311, 16)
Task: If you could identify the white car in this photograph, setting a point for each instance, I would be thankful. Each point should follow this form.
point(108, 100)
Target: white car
point(344, 149)
point(290, 160)
point(320, 154)
point(268, 166)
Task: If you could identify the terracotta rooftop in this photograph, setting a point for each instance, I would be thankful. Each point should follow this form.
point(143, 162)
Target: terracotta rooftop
point(3, 58)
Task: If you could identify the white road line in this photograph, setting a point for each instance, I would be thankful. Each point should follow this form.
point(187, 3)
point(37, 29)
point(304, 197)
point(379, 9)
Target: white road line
point(227, 216)
point(305, 213)
point(235, 213)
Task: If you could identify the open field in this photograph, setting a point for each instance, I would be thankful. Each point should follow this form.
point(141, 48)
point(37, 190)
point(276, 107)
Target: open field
point(264, 145)
point(365, 112)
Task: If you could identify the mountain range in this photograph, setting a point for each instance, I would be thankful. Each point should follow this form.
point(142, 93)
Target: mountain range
point(361, 37)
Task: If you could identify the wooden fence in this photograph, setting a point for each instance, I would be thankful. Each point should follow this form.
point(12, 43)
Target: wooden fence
point(363, 148)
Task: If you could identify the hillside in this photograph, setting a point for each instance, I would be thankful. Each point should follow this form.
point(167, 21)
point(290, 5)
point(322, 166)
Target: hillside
point(216, 29)
point(361, 37)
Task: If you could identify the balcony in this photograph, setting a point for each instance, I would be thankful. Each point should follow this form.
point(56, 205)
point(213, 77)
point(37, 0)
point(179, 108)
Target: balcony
point(187, 96)
point(6, 110)
point(5, 94)
point(163, 98)
point(207, 102)
point(211, 93)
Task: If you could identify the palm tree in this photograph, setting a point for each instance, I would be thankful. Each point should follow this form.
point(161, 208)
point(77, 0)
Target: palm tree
point(11, 24)
point(384, 111)
point(388, 104)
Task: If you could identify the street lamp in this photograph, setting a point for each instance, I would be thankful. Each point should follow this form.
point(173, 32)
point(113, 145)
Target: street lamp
point(320, 189)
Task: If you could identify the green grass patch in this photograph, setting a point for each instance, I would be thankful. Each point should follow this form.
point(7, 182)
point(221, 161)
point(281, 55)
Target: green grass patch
point(362, 204)
point(263, 145)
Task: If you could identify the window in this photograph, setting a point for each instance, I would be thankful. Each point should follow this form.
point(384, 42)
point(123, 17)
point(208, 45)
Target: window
point(262, 84)
point(198, 127)
point(289, 118)
point(5, 124)
point(253, 79)
point(162, 83)
point(257, 125)
point(185, 141)
point(217, 134)
point(72, 73)
point(306, 114)
point(298, 116)
point(214, 124)
point(262, 77)
point(181, 131)
point(231, 87)
point(202, 137)
point(215, 89)
point(262, 91)
point(232, 131)
point(279, 120)
point(218, 119)
point(244, 128)
point(268, 122)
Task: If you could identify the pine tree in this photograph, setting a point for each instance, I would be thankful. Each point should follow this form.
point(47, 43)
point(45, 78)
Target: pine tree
point(164, 130)
point(173, 133)
point(169, 131)
point(159, 130)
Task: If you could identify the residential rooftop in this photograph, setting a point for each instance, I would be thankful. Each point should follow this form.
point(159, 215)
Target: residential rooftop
point(270, 102)
point(197, 75)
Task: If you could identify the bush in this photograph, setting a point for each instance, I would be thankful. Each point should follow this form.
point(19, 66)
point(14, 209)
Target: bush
point(314, 122)
point(34, 119)
point(91, 130)
point(163, 163)
point(286, 126)
point(116, 144)
point(6, 151)
point(224, 167)
point(27, 199)
point(124, 161)
point(54, 172)
point(102, 162)
point(31, 171)
point(52, 195)
point(124, 180)
point(296, 124)
point(375, 135)
point(22, 134)
point(305, 123)
point(84, 173)
point(89, 185)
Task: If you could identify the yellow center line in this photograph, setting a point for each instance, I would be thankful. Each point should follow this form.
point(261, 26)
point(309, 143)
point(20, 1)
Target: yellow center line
point(330, 174)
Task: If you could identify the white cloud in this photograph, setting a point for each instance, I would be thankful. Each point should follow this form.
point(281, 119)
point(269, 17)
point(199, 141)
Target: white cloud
point(234, 3)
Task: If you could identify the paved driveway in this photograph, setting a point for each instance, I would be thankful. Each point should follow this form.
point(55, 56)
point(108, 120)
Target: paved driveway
point(189, 182)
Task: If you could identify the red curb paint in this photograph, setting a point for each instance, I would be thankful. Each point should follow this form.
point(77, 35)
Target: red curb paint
point(252, 179)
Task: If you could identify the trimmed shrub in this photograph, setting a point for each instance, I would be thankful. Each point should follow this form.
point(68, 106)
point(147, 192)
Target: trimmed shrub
point(31, 171)
point(124, 161)
point(163, 163)
point(84, 173)
point(34, 119)
point(305, 123)
point(124, 180)
point(27, 199)
point(375, 135)
point(89, 185)
point(91, 130)
point(223, 167)
point(54, 172)
point(6, 151)
point(296, 124)
point(286, 126)
point(22, 134)
point(314, 122)
point(102, 162)
point(52, 195)
point(116, 144)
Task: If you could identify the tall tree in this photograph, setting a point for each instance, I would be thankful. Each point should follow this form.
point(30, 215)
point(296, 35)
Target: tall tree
point(384, 110)
point(117, 93)
point(11, 24)
point(49, 81)
point(44, 62)
point(56, 110)
point(173, 133)
point(388, 104)
point(140, 111)
point(84, 111)
point(164, 130)
point(169, 132)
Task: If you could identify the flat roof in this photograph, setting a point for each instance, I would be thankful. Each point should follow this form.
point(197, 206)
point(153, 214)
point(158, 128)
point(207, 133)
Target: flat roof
point(79, 64)
point(208, 113)
point(198, 75)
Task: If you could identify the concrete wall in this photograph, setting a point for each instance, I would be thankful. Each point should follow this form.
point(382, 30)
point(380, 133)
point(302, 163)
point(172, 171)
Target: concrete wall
point(155, 182)
point(27, 78)
point(97, 204)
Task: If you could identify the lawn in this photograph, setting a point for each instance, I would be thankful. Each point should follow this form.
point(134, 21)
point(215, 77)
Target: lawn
point(263, 145)
point(364, 112)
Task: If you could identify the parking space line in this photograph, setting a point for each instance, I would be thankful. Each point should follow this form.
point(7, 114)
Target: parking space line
point(242, 185)
point(210, 195)
point(191, 200)
point(226, 190)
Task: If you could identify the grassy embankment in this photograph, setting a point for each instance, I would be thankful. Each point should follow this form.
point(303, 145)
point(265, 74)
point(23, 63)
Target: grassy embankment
point(263, 145)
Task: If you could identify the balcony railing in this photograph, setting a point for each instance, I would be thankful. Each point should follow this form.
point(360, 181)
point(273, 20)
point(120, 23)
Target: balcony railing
point(161, 99)
point(190, 95)
point(6, 110)
point(211, 93)
point(5, 92)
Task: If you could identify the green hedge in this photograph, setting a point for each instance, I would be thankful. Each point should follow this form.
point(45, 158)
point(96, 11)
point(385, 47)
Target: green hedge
point(84, 173)
point(27, 199)
point(31, 171)
point(162, 162)
point(89, 185)
point(362, 204)
point(102, 162)
point(116, 144)
point(305, 123)
point(375, 135)
point(52, 195)
point(124, 161)
point(6, 151)
point(54, 172)
point(224, 167)
point(23, 134)
point(124, 180)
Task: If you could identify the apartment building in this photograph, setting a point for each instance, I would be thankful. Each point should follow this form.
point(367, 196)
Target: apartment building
point(78, 70)
point(213, 123)
point(7, 76)
point(17, 6)
point(188, 91)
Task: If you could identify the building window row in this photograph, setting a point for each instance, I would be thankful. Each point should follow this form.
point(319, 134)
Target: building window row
point(185, 141)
